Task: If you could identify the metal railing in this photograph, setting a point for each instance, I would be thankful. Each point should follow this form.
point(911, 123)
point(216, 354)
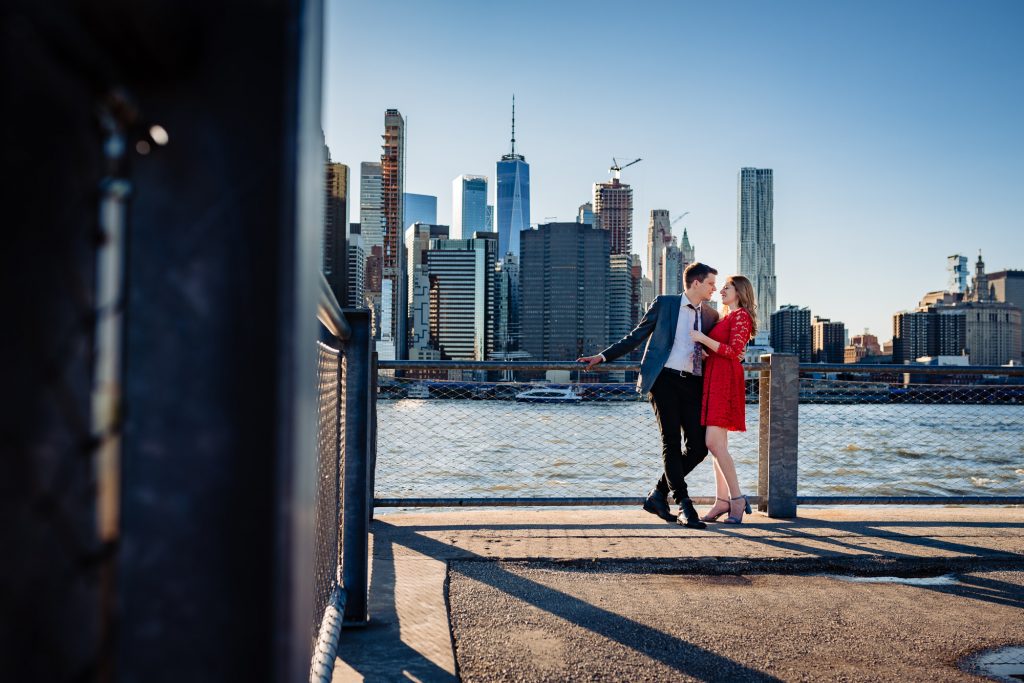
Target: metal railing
point(911, 434)
point(464, 433)
point(342, 510)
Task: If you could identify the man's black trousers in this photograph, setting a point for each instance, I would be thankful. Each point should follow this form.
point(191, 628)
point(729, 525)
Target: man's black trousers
point(676, 400)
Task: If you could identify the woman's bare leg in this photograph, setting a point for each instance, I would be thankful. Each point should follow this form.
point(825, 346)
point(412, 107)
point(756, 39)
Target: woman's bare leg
point(721, 504)
point(718, 443)
point(721, 486)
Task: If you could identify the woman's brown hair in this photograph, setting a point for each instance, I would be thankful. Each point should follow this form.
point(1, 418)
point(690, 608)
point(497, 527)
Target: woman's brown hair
point(747, 298)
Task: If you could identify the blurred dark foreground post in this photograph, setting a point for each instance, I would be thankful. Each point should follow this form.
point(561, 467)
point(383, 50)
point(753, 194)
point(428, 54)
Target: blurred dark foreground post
point(159, 298)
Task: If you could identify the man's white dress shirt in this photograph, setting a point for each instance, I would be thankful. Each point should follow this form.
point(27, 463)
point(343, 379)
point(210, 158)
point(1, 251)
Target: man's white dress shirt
point(681, 356)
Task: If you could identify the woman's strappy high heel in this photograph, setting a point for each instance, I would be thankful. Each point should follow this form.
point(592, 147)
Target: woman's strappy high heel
point(714, 518)
point(733, 519)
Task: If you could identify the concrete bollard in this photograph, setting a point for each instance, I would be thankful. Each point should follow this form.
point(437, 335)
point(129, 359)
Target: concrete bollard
point(777, 436)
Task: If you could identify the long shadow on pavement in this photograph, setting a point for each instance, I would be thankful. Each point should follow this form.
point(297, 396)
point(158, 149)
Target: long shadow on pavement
point(673, 652)
point(679, 655)
point(376, 652)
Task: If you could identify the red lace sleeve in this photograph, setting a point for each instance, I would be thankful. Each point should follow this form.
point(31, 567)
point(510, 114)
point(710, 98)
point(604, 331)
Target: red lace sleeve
point(739, 335)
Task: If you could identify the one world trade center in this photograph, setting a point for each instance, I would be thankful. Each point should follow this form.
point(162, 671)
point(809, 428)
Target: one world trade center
point(513, 204)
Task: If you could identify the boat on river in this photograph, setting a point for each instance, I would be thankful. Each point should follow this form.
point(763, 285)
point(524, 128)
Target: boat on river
point(419, 390)
point(549, 395)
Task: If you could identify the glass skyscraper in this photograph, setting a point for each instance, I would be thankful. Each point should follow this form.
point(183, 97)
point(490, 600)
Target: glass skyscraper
point(371, 203)
point(420, 208)
point(469, 206)
point(513, 202)
point(393, 290)
point(755, 245)
point(564, 309)
point(513, 206)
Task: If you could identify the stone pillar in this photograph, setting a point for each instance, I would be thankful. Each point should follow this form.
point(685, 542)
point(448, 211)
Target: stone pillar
point(777, 446)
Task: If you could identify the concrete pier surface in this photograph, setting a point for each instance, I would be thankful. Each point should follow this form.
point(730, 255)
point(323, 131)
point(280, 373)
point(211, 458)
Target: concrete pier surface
point(618, 595)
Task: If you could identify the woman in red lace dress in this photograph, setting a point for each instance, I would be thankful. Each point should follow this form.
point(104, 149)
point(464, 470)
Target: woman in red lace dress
point(724, 404)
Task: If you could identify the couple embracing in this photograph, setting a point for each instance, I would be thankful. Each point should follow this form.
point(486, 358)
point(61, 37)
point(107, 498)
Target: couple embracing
point(691, 369)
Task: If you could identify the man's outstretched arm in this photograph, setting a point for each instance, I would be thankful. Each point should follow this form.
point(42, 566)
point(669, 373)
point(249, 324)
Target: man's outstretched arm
point(632, 340)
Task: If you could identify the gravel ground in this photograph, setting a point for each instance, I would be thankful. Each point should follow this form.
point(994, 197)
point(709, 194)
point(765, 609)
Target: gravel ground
point(536, 621)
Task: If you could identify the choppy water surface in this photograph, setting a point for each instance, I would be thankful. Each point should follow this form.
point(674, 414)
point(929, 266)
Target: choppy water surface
point(465, 448)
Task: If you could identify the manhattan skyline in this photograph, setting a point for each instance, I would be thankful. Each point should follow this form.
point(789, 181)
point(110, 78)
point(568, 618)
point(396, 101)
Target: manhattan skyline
point(891, 131)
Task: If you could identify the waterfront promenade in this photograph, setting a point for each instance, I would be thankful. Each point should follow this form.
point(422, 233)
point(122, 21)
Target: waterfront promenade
point(615, 594)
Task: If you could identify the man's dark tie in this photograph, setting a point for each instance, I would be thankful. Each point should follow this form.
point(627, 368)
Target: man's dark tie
point(695, 357)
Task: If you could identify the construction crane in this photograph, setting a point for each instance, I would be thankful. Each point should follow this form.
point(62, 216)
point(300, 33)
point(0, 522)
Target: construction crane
point(678, 218)
point(617, 168)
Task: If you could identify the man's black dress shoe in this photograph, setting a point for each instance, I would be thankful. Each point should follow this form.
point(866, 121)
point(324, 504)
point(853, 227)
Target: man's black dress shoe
point(688, 516)
point(657, 504)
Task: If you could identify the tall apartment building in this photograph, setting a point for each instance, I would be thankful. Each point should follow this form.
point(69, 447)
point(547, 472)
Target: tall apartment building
point(355, 272)
point(507, 311)
point(947, 331)
point(613, 214)
point(613, 211)
point(371, 204)
point(418, 240)
point(513, 196)
point(462, 275)
point(957, 267)
point(585, 214)
point(912, 336)
point(637, 274)
point(371, 223)
point(791, 331)
point(469, 205)
point(621, 291)
point(828, 338)
point(755, 246)
point(393, 341)
point(334, 253)
point(623, 301)
point(565, 307)
point(659, 236)
point(672, 267)
point(932, 331)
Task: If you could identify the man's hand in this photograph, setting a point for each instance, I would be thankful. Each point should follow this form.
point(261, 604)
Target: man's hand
point(591, 361)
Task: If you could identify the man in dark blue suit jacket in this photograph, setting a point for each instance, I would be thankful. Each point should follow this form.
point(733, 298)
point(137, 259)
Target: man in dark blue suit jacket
point(671, 371)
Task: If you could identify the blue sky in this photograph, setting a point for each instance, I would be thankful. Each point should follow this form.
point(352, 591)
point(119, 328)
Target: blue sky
point(895, 129)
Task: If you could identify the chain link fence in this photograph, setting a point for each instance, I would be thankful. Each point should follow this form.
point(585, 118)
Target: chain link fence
point(455, 436)
point(464, 440)
point(940, 435)
point(330, 453)
point(344, 470)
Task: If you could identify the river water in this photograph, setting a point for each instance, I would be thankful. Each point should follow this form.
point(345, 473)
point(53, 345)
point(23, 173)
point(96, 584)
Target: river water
point(466, 448)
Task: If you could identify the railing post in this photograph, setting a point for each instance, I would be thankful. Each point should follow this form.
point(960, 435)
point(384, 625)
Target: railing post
point(777, 444)
point(372, 478)
point(763, 401)
point(356, 527)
